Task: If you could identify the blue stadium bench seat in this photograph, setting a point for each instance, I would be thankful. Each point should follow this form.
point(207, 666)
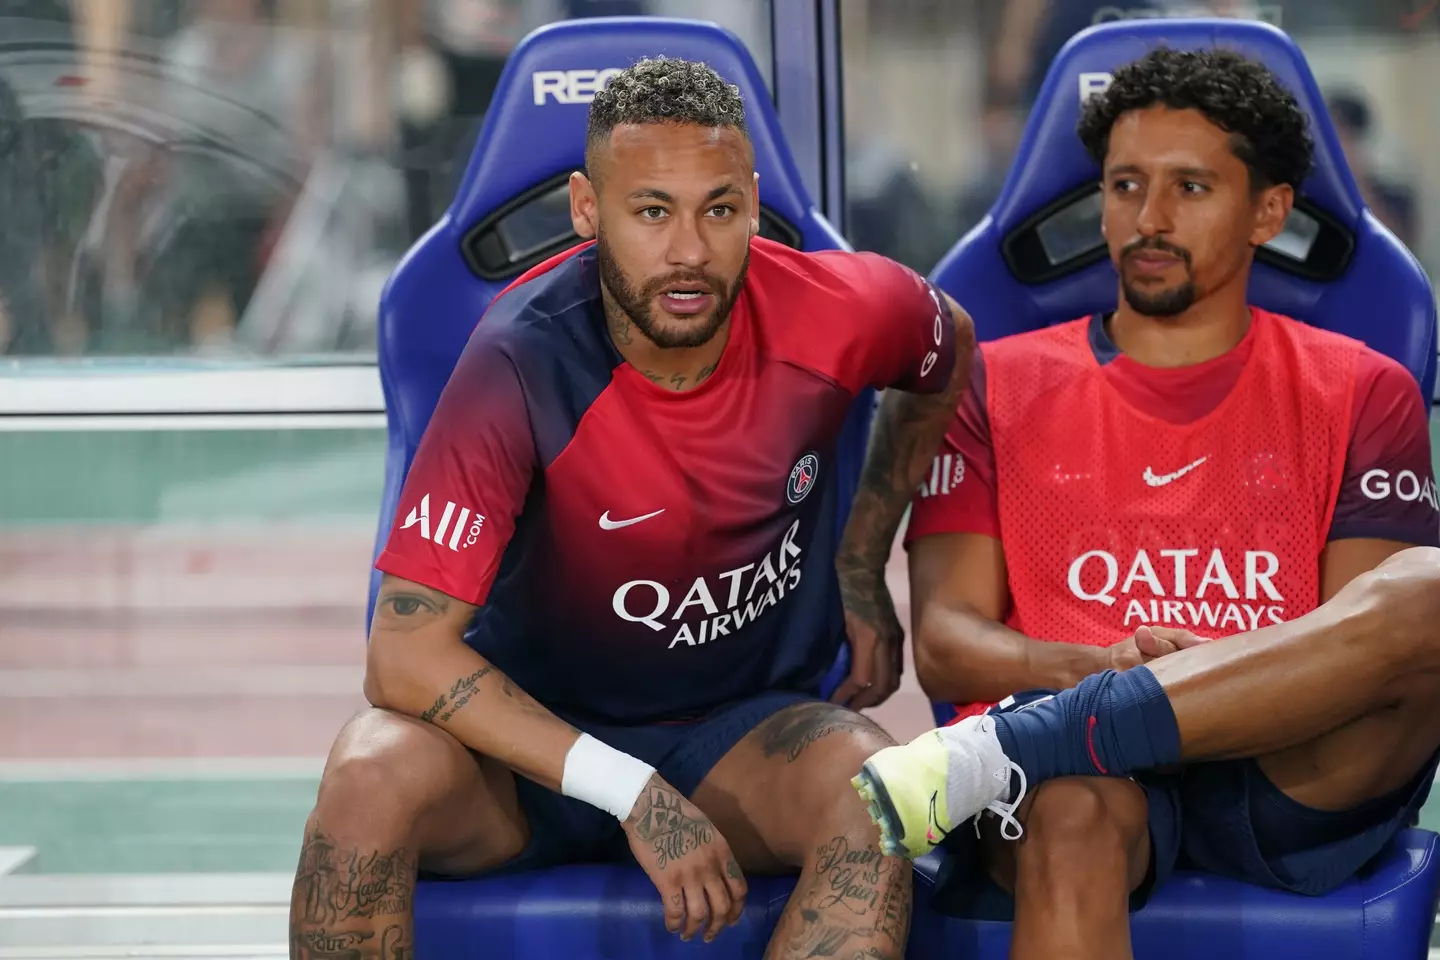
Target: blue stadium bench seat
point(1386, 912)
point(511, 212)
point(1038, 259)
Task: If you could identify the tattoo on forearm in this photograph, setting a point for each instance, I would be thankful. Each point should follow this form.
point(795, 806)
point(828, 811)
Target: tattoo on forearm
point(448, 704)
point(908, 429)
point(661, 820)
point(790, 731)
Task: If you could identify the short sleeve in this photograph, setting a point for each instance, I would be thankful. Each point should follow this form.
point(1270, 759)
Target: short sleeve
point(468, 482)
point(958, 494)
point(907, 332)
point(1388, 490)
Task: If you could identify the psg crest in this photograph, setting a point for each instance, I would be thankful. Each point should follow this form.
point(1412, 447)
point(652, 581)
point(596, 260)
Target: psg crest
point(802, 478)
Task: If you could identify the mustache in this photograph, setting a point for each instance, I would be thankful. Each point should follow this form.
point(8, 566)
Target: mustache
point(1157, 244)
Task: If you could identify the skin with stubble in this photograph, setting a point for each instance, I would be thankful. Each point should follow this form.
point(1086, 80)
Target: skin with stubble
point(1182, 219)
point(672, 208)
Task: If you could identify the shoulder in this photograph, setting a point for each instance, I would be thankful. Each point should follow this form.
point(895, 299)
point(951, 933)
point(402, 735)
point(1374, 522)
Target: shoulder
point(549, 317)
point(1384, 390)
point(822, 277)
point(1069, 340)
point(1370, 367)
point(1308, 336)
point(1376, 371)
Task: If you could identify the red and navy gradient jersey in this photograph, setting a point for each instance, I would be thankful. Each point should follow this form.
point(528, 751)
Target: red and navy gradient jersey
point(1388, 490)
point(640, 554)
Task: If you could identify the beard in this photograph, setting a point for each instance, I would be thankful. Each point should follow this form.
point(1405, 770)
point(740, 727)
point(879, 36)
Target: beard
point(637, 303)
point(1160, 304)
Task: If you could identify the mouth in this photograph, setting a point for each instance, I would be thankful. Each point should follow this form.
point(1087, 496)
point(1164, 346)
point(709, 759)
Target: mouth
point(685, 299)
point(1152, 263)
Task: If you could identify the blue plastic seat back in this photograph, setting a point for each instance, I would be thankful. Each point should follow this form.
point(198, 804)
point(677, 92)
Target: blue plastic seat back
point(1038, 258)
point(511, 211)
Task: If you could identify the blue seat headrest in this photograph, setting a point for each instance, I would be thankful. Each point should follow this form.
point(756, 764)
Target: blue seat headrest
point(1039, 259)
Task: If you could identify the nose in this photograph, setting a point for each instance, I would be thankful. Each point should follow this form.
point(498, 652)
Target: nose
point(1156, 215)
point(687, 243)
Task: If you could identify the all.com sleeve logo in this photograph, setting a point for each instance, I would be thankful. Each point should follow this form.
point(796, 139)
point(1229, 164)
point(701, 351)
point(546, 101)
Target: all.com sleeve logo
point(451, 522)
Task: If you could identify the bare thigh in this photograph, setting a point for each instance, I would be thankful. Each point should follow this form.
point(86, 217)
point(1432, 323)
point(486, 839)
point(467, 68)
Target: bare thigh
point(458, 810)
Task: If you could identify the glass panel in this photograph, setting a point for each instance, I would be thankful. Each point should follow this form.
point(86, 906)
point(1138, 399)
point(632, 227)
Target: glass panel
point(1071, 232)
point(920, 177)
point(237, 178)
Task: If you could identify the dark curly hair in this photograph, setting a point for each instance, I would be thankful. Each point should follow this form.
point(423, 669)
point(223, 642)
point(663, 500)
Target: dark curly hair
point(664, 90)
point(1268, 129)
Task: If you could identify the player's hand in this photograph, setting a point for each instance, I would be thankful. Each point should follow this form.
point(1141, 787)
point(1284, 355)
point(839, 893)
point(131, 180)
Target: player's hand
point(1155, 642)
point(1150, 643)
point(689, 862)
point(877, 643)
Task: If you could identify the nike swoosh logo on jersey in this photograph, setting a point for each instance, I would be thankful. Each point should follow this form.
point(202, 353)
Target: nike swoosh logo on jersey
point(607, 524)
point(1160, 481)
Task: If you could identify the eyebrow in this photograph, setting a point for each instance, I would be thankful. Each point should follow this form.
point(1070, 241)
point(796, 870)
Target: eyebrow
point(651, 194)
point(1203, 173)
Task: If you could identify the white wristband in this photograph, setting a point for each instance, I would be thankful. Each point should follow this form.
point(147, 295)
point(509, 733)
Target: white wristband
point(604, 777)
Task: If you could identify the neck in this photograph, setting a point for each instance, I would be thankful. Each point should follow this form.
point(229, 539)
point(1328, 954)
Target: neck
point(1209, 329)
point(674, 368)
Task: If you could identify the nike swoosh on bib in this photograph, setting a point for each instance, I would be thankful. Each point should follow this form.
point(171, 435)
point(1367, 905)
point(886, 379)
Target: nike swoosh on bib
point(607, 524)
point(1161, 480)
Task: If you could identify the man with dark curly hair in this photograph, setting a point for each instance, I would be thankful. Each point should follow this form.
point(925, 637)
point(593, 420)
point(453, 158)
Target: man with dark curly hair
point(1214, 525)
point(611, 589)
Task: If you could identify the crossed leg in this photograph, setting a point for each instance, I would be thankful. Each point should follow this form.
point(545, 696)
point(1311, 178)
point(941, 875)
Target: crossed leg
point(1336, 708)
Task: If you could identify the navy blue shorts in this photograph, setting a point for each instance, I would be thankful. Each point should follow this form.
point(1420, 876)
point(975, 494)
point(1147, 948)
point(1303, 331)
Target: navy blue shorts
point(566, 830)
point(1227, 818)
point(1224, 818)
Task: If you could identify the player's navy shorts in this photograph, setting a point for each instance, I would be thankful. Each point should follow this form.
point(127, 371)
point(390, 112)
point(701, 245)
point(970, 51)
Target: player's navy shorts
point(566, 830)
point(1224, 818)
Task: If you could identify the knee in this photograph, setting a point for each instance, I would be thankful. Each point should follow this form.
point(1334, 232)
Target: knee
point(383, 771)
point(1080, 821)
point(1401, 597)
point(824, 747)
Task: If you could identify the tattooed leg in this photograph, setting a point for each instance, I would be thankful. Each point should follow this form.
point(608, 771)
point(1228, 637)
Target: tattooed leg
point(396, 792)
point(779, 797)
point(350, 903)
point(850, 901)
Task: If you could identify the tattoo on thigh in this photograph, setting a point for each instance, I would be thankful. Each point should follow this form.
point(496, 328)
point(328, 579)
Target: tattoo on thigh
point(448, 704)
point(660, 819)
point(790, 731)
point(333, 884)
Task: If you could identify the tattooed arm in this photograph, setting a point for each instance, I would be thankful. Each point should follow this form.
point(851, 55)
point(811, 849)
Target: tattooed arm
point(908, 429)
point(419, 664)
